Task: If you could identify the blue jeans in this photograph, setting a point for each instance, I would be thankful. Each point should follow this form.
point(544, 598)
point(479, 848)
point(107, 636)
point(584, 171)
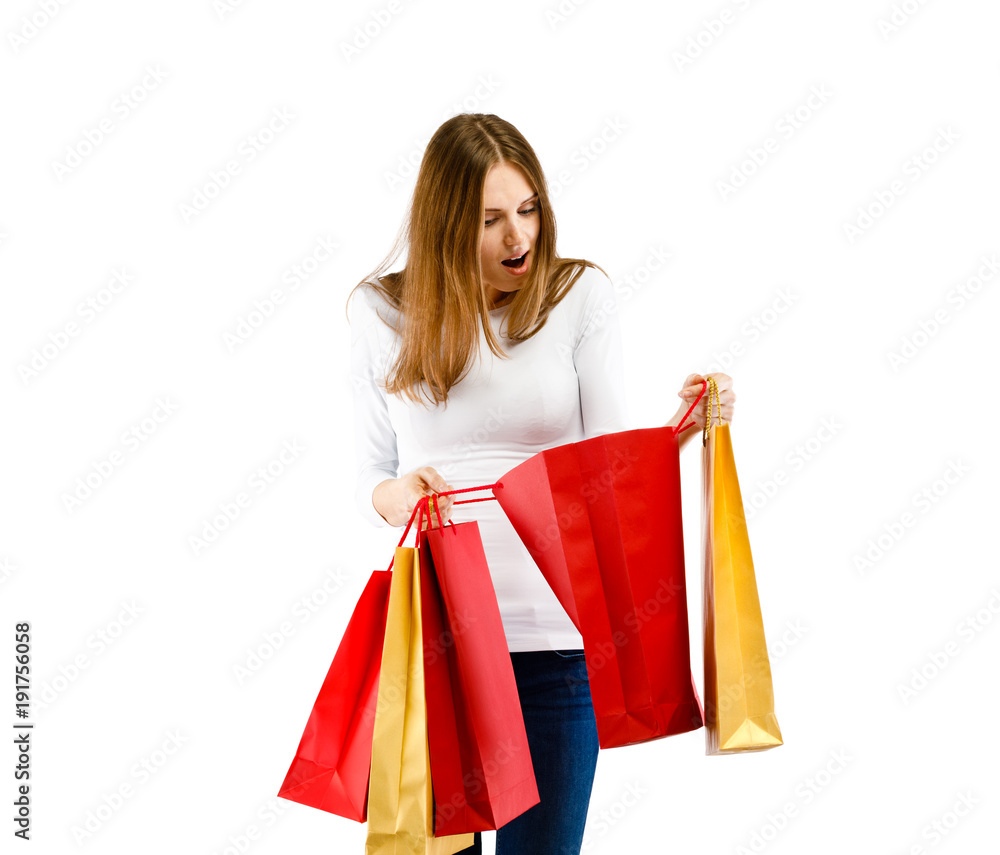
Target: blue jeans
point(562, 738)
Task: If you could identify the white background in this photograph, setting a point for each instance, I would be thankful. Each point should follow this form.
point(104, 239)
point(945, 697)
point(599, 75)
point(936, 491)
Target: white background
point(117, 685)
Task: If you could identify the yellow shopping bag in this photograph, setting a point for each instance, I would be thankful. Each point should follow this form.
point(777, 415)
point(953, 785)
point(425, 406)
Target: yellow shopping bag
point(400, 803)
point(739, 698)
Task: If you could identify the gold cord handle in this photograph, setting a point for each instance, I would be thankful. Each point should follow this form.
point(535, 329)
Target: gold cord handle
point(713, 395)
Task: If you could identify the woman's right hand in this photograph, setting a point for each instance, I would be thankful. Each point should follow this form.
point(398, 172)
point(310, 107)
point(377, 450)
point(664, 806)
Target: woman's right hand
point(395, 498)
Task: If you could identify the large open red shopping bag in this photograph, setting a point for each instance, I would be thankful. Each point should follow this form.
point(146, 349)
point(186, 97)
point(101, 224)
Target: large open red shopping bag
point(480, 761)
point(331, 765)
point(602, 520)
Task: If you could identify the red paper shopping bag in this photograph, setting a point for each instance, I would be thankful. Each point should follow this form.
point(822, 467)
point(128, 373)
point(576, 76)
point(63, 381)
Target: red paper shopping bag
point(602, 520)
point(332, 763)
point(480, 761)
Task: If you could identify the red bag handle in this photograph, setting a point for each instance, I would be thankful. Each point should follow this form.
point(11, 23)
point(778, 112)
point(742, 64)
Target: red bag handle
point(678, 429)
point(471, 490)
point(422, 508)
point(462, 501)
point(417, 512)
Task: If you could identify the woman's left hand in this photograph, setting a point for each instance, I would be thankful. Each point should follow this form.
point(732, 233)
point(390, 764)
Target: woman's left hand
point(693, 385)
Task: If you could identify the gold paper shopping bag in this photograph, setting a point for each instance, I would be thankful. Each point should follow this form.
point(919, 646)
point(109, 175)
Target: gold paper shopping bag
point(400, 805)
point(739, 698)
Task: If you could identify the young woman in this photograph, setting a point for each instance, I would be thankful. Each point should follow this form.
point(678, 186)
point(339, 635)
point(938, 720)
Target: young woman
point(486, 348)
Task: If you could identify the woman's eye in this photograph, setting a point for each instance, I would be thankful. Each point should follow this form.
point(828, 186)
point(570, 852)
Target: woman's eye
point(525, 212)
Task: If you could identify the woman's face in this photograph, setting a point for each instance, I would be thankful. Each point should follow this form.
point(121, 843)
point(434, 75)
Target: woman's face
point(510, 229)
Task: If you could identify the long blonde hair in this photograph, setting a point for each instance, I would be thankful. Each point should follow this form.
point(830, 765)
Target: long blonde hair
point(439, 294)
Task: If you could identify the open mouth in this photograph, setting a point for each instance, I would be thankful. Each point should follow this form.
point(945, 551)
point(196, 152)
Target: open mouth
point(514, 262)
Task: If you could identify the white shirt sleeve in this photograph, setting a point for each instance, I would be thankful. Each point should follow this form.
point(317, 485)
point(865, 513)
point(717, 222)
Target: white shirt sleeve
point(598, 357)
point(374, 437)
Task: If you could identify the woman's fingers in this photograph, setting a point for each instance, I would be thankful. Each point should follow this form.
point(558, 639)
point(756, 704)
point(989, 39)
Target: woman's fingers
point(431, 478)
point(426, 483)
point(693, 386)
point(439, 510)
point(436, 518)
point(727, 397)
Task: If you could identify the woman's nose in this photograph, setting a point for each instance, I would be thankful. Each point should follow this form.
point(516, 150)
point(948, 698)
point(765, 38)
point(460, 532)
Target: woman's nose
point(514, 236)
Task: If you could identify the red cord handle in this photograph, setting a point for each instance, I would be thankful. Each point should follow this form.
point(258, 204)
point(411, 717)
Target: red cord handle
point(464, 501)
point(679, 429)
point(417, 512)
point(422, 508)
point(471, 490)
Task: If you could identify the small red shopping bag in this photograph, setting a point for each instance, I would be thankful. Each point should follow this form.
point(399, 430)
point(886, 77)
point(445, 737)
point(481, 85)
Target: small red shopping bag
point(332, 762)
point(602, 520)
point(481, 767)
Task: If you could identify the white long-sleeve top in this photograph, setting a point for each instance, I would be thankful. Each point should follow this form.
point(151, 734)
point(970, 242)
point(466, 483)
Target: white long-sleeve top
point(562, 385)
